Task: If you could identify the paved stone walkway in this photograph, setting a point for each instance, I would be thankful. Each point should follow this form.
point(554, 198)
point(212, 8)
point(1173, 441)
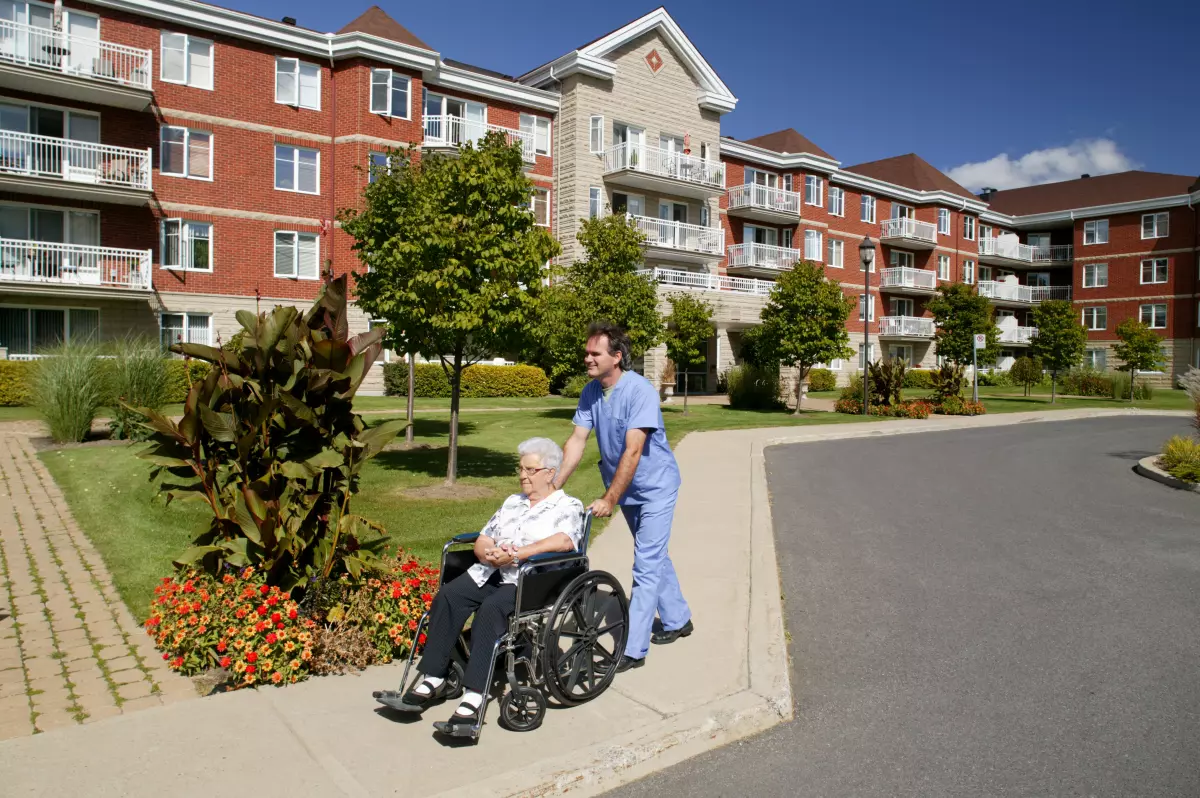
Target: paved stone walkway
point(70, 652)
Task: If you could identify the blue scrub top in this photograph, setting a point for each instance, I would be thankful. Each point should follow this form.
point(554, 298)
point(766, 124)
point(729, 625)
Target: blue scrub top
point(633, 403)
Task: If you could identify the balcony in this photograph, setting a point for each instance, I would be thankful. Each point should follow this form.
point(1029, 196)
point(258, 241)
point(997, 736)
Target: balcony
point(703, 281)
point(1017, 336)
point(72, 269)
point(82, 170)
point(1005, 252)
point(60, 64)
point(447, 133)
point(1004, 293)
point(677, 241)
point(762, 259)
point(906, 280)
point(906, 327)
point(664, 172)
point(908, 234)
point(1042, 293)
point(764, 204)
point(1059, 253)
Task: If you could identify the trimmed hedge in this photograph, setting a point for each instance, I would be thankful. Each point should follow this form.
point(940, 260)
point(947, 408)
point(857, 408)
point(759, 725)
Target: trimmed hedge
point(478, 382)
point(918, 378)
point(15, 379)
point(573, 388)
point(177, 377)
point(1082, 382)
point(822, 380)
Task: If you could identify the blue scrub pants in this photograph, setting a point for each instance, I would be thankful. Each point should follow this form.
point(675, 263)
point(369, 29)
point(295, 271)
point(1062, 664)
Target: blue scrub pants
point(655, 585)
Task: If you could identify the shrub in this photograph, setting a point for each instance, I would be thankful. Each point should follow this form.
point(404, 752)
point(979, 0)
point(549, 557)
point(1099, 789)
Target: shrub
point(887, 381)
point(912, 409)
point(918, 378)
point(1181, 458)
point(1085, 382)
point(994, 378)
point(1120, 387)
point(68, 388)
point(957, 406)
point(948, 382)
point(15, 382)
point(573, 388)
point(479, 381)
point(137, 377)
point(182, 373)
point(754, 388)
point(1027, 372)
point(822, 380)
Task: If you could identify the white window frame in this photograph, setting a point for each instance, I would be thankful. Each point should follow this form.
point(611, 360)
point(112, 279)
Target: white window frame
point(943, 268)
point(985, 272)
point(187, 318)
point(862, 362)
point(296, 150)
point(374, 168)
point(837, 250)
point(186, 236)
point(1160, 225)
point(785, 238)
point(286, 65)
point(813, 240)
point(187, 146)
point(812, 182)
point(968, 228)
point(943, 221)
point(535, 125)
point(1154, 264)
point(968, 270)
point(389, 77)
point(1098, 274)
point(1095, 318)
point(866, 209)
point(595, 202)
point(1091, 361)
point(869, 306)
point(294, 266)
point(1153, 315)
point(596, 134)
point(837, 201)
point(786, 182)
point(533, 203)
point(1094, 227)
point(898, 258)
point(188, 40)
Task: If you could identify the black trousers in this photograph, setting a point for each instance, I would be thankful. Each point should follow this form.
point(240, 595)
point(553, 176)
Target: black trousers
point(492, 604)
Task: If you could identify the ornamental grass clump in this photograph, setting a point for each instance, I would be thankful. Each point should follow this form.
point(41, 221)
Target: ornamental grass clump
point(1181, 458)
point(137, 377)
point(69, 387)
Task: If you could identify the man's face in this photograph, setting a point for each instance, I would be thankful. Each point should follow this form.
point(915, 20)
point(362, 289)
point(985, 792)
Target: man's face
point(597, 359)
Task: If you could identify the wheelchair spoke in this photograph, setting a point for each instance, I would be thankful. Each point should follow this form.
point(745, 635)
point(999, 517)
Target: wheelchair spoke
point(575, 672)
point(610, 627)
point(591, 669)
point(569, 635)
point(605, 653)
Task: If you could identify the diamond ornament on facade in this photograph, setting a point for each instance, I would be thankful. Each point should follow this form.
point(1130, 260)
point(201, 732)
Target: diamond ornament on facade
point(654, 61)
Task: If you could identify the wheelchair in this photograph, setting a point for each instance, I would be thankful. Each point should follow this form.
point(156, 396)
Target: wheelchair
point(564, 639)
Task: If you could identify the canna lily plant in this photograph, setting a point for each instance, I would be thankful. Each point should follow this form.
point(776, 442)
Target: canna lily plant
point(269, 441)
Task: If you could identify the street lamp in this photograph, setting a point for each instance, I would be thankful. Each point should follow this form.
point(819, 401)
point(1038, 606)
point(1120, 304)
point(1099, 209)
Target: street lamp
point(866, 253)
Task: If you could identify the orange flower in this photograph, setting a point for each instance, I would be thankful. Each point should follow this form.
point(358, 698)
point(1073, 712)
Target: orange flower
point(289, 646)
point(306, 655)
point(276, 677)
point(294, 664)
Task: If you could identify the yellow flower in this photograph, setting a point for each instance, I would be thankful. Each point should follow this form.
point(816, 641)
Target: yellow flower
point(289, 646)
point(294, 664)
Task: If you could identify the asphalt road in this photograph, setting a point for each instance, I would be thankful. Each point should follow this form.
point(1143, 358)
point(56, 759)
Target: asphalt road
point(1008, 611)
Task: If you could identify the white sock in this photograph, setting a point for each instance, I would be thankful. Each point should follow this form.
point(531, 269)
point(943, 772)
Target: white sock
point(470, 702)
point(423, 689)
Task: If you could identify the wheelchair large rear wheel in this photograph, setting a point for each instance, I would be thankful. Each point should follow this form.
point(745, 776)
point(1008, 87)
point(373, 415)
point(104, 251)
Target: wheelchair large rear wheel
point(584, 638)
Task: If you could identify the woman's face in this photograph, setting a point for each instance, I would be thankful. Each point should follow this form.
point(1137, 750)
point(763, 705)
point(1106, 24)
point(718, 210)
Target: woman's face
point(535, 479)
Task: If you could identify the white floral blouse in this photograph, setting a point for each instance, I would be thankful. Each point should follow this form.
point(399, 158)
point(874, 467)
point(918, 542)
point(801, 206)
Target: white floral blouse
point(517, 523)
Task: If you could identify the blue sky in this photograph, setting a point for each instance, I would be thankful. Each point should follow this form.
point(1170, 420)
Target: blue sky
point(1009, 93)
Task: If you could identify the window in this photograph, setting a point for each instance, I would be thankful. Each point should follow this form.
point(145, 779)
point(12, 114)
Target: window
point(753, 234)
point(296, 169)
point(787, 182)
point(186, 245)
point(1156, 225)
point(813, 188)
point(969, 272)
point(27, 331)
point(391, 94)
point(812, 245)
point(1154, 316)
point(595, 202)
point(297, 83)
point(785, 239)
point(1095, 318)
point(943, 222)
point(901, 307)
point(296, 255)
point(596, 135)
point(1095, 359)
point(900, 258)
point(969, 228)
point(862, 363)
point(185, 153)
point(187, 60)
point(867, 209)
point(837, 201)
point(188, 328)
point(758, 177)
point(835, 253)
point(985, 231)
point(866, 307)
point(540, 205)
point(704, 215)
point(1154, 270)
point(539, 128)
point(1095, 275)
point(943, 267)
point(985, 272)
point(378, 165)
point(1095, 232)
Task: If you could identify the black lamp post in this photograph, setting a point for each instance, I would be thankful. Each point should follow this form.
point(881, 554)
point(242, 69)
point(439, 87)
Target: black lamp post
point(866, 253)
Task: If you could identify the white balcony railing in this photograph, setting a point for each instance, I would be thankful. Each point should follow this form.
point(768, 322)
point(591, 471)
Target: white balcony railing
point(1012, 292)
point(907, 326)
point(752, 195)
point(763, 256)
point(1003, 248)
point(74, 161)
point(681, 236)
point(73, 264)
point(1059, 253)
point(1041, 293)
point(907, 277)
point(908, 228)
point(442, 130)
point(1017, 335)
point(58, 51)
point(702, 281)
point(664, 163)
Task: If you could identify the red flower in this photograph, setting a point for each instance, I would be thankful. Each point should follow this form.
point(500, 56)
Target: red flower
point(421, 639)
point(225, 662)
point(166, 656)
point(252, 656)
point(427, 597)
point(395, 592)
point(188, 587)
point(250, 669)
point(221, 647)
point(279, 625)
point(276, 617)
point(196, 607)
point(262, 609)
point(292, 614)
point(241, 613)
point(273, 600)
point(264, 590)
point(271, 638)
point(258, 627)
point(412, 624)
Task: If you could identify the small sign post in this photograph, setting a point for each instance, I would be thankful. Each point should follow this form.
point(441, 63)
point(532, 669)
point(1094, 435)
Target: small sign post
point(980, 343)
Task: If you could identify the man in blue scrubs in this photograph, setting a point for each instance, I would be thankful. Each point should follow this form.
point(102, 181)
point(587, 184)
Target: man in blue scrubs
point(640, 475)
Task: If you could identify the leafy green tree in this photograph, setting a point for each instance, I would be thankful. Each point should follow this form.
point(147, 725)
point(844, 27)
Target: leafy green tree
point(1060, 339)
point(804, 322)
point(1027, 371)
point(1139, 348)
point(605, 285)
point(960, 314)
point(689, 326)
point(454, 260)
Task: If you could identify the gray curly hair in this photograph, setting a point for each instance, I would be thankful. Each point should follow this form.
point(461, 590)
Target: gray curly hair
point(549, 454)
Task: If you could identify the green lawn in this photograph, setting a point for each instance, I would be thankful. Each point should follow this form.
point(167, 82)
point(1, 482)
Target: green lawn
point(108, 490)
point(1010, 399)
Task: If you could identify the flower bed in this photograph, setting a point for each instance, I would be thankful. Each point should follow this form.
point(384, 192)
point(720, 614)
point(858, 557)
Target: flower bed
point(913, 409)
point(954, 406)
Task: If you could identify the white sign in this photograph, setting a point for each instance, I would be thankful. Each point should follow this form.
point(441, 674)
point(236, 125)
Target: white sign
point(981, 341)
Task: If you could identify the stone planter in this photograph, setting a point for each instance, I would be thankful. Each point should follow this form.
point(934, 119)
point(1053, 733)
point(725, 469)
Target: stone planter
point(1148, 467)
point(667, 391)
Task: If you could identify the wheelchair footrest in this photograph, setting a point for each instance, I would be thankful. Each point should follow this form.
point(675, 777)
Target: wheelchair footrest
point(457, 730)
point(393, 699)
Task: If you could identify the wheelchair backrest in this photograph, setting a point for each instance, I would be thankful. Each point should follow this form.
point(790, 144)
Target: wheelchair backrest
point(587, 532)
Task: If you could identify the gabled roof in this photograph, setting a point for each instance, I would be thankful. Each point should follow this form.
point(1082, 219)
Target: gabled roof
point(376, 22)
point(1087, 192)
point(910, 171)
point(592, 59)
point(788, 142)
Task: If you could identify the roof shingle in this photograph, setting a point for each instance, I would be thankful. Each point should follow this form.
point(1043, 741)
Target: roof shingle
point(911, 171)
point(376, 22)
point(788, 141)
point(1088, 192)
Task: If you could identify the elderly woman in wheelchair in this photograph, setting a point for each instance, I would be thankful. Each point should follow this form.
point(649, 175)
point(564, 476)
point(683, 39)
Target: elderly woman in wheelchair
point(526, 580)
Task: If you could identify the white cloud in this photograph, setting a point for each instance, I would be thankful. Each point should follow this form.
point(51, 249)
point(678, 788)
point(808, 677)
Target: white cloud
point(1084, 156)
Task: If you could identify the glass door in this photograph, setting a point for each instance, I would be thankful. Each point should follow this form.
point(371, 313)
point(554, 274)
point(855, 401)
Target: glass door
point(696, 377)
point(1038, 278)
point(84, 50)
point(901, 307)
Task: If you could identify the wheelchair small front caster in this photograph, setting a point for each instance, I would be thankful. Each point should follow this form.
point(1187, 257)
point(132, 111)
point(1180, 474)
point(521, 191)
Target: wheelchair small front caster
point(454, 681)
point(522, 709)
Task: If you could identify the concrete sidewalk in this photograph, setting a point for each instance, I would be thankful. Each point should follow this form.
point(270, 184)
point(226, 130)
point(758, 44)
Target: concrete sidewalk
point(325, 737)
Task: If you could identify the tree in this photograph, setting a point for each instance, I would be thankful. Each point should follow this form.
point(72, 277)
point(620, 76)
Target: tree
point(454, 259)
point(606, 286)
point(1027, 371)
point(689, 326)
point(1060, 339)
point(1140, 349)
point(804, 322)
point(960, 314)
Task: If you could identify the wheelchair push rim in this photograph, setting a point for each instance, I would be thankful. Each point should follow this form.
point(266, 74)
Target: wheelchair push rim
point(584, 638)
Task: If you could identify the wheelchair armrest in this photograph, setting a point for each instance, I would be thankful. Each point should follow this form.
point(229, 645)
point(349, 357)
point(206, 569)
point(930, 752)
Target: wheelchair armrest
point(465, 537)
point(551, 558)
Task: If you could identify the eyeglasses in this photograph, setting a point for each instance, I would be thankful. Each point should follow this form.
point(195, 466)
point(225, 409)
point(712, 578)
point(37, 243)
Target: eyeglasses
point(523, 471)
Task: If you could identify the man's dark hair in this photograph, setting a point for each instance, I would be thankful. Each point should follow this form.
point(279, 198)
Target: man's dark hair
point(618, 341)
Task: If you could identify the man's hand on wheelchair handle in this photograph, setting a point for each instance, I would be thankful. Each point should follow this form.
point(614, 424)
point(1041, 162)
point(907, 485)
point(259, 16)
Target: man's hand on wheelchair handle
point(601, 508)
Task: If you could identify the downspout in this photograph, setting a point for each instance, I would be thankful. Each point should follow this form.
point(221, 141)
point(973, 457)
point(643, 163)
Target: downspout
point(1192, 360)
point(332, 168)
point(554, 153)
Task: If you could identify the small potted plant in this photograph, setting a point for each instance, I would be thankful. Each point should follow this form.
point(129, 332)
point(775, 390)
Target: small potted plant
point(667, 382)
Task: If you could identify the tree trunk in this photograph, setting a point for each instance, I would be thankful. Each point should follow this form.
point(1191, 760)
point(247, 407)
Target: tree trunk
point(799, 391)
point(685, 391)
point(455, 388)
point(1132, 380)
point(1053, 385)
point(412, 387)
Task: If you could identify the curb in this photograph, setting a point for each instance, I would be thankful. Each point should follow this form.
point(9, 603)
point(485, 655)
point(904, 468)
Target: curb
point(1148, 467)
